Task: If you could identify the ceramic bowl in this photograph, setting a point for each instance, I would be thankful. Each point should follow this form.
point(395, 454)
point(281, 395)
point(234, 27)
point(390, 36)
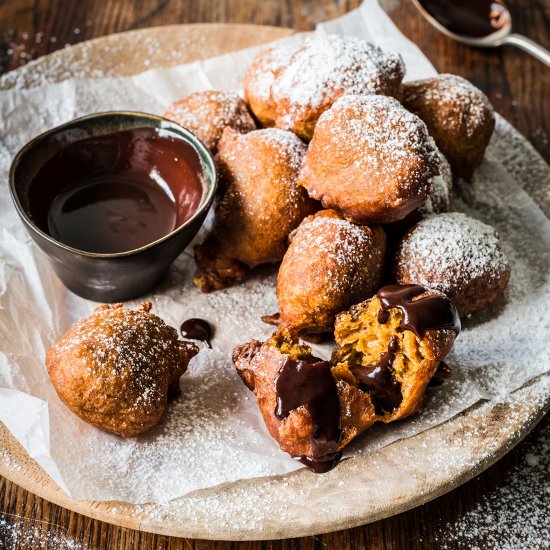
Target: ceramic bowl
point(110, 277)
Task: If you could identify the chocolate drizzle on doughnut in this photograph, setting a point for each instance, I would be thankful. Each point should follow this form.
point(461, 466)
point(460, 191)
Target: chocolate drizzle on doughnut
point(379, 382)
point(309, 383)
point(320, 466)
point(443, 371)
point(434, 311)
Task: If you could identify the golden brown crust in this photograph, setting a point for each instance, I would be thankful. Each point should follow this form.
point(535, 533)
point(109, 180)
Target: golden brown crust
point(371, 159)
point(329, 265)
point(115, 367)
point(291, 86)
point(258, 80)
point(259, 364)
point(362, 339)
point(457, 255)
point(459, 117)
point(207, 113)
point(261, 206)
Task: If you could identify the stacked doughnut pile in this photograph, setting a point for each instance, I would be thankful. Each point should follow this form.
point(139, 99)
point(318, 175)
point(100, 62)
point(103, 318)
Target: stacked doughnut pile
point(343, 174)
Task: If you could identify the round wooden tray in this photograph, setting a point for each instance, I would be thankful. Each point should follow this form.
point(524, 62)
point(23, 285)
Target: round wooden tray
point(396, 478)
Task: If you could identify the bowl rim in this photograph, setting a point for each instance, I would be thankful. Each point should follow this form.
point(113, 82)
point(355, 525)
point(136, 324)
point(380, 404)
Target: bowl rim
point(166, 124)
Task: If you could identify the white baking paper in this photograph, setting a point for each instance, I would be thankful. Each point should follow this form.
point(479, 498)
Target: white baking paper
point(214, 433)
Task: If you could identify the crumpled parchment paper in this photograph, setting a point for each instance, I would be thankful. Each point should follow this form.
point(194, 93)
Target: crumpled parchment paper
point(214, 433)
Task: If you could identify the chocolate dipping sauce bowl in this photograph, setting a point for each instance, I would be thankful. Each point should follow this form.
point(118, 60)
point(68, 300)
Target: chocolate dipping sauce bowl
point(112, 199)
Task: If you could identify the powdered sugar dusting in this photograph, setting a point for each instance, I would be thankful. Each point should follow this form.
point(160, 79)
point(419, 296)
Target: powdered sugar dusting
point(208, 113)
point(490, 353)
point(513, 514)
point(21, 532)
point(453, 90)
point(441, 193)
point(383, 136)
point(346, 250)
point(344, 245)
point(261, 75)
point(450, 250)
point(326, 64)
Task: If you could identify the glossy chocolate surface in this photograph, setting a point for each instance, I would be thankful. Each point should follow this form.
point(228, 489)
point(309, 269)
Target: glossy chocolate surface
point(197, 329)
point(117, 192)
point(433, 311)
point(379, 382)
point(124, 275)
point(474, 18)
point(309, 383)
point(443, 371)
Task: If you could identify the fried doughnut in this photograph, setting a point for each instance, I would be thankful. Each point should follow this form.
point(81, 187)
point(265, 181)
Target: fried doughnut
point(206, 114)
point(459, 117)
point(440, 198)
point(291, 87)
point(391, 345)
point(330, 265)
point(371, 159)
point(258, 80)
point(311, 412)
point(260, 208)
point(116, 367)
point(457, 255)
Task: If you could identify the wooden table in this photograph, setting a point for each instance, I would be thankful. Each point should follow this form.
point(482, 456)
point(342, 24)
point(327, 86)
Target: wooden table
point(518, 86)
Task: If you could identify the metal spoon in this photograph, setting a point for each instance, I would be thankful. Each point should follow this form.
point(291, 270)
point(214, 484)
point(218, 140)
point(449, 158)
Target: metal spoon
point(500, 37)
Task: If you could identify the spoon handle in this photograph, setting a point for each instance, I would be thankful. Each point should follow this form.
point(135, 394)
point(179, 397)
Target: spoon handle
point(536, 50)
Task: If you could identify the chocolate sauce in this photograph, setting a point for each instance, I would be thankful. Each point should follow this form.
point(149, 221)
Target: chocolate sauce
point(320, 466)
point(383, 316)
point(197, 329)
point(379, 382)
point(468, 17)
point(117, 192)
point(434, 311)
point(443, 371)
point(309, 382)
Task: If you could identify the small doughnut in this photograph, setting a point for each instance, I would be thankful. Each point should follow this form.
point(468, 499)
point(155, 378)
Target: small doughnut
point(391, 346)
point(206, 114)
point(371, 159)
point(311, 412)
point(457, 255)
point(261, 206)
point(291, 87)
point(116, 368)
point(330, 265)
point(258, 80)
point(459, 117)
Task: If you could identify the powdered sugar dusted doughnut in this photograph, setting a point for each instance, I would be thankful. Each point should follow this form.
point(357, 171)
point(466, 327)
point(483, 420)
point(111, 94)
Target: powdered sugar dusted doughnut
point(260, 77)
point(371, 159)
point(206, 114)
point(262, 205)
point(457, 255)
point(440, 198)
point(290, 89)
point(117, 367)
point(459, 116)
point(330, 264)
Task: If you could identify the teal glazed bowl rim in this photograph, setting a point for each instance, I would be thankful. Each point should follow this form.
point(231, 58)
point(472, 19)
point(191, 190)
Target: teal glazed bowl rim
point(209, 182)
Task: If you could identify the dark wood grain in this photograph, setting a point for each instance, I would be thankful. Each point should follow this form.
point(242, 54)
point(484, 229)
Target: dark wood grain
point(518, 86)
